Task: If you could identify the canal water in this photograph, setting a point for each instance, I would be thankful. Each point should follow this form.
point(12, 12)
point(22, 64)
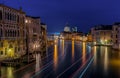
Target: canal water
point(65, 57)
point(106, 63)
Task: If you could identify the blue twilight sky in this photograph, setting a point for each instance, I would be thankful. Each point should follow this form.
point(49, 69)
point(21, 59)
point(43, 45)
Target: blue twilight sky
point(81, 13)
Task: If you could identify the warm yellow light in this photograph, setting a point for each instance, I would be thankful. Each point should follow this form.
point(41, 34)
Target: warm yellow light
point(26, 21)
point(9, 50)
point(95, 55)
point(62, 47)
point(73, 38)
point(105, 40)
point(55, 57)
point(83, 52)
point(94, 43)
point(73, 49)
point(10, 53)
point(10, 72)
point(115, 62)
point(106, 59)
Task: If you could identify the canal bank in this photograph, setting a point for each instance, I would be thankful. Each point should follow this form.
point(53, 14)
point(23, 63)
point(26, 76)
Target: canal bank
point(11, 69)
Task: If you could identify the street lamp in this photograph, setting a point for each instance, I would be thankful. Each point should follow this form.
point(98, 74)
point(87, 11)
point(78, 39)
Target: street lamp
point(27, 39)
point(10, 52)
point(36, 45)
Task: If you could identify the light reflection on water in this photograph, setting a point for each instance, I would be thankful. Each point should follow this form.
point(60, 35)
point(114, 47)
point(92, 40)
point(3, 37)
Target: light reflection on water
point(55, 56)
point(7, 72)
point(63, 47)
point(10, 72)
point(106, 63)
point(38, 62)
point(106, 60)
point(95, 55)
point(73, 49)
point(83, 52)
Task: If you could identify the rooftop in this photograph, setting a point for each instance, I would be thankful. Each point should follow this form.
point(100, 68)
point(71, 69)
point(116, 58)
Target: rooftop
point(43, 24)
point(32, 17)
point(116, 23)
point(103, 27)
point(20, 10)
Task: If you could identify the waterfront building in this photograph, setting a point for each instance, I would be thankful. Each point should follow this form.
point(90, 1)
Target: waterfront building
point(43, 37)
point(89, 37)
point(33, 28)
point(102, 34)
point(74, 29)
point(67, 28)
point(67, 34)
point(50, 37)
point(77, 36)
point(116, 35)
point(12, 32)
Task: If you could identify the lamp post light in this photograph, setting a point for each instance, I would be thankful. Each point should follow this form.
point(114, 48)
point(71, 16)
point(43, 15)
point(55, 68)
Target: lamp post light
point(27, 40)
point(36, 45)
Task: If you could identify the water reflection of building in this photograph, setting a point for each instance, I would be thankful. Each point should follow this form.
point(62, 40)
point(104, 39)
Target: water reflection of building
point(12, 32)
point(83, 52)
point(38, 62)
point(106, 59)
point(73, 49)
point(95, 55)
point(7, 72)
point(63, 43)
point(55, 57)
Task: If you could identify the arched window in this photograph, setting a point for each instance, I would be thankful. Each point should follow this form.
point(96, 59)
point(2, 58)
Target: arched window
point(18, 33)
point(5, 33)
point(7, 16)
point(10, 16)
point(15, 33)
point(1, 31)
point(15, 18)
point(12, 33)
point(0, 15)
point(18, 18)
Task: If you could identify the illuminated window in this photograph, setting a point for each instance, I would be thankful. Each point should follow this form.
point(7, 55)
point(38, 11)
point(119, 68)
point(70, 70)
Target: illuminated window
point(26, 21)
point(1, 44)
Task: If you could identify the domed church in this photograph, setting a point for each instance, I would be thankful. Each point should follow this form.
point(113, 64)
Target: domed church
point(67, 28)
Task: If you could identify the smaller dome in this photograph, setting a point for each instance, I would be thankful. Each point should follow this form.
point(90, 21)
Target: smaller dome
point(67, 29)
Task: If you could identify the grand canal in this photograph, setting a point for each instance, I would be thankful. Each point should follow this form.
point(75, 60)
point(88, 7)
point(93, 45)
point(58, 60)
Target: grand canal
point(67, 59)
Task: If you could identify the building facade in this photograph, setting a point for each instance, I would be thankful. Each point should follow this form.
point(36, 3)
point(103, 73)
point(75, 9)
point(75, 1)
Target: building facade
point(33, 28)
point(102, 34)
point(12, 32)
point(116, 35)
point(43, 37)
point(89, 37)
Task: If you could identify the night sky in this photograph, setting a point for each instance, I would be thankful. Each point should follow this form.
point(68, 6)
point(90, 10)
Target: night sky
point(81, 13)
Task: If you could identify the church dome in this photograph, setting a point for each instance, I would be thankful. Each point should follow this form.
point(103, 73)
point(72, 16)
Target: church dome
point(67, 28)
